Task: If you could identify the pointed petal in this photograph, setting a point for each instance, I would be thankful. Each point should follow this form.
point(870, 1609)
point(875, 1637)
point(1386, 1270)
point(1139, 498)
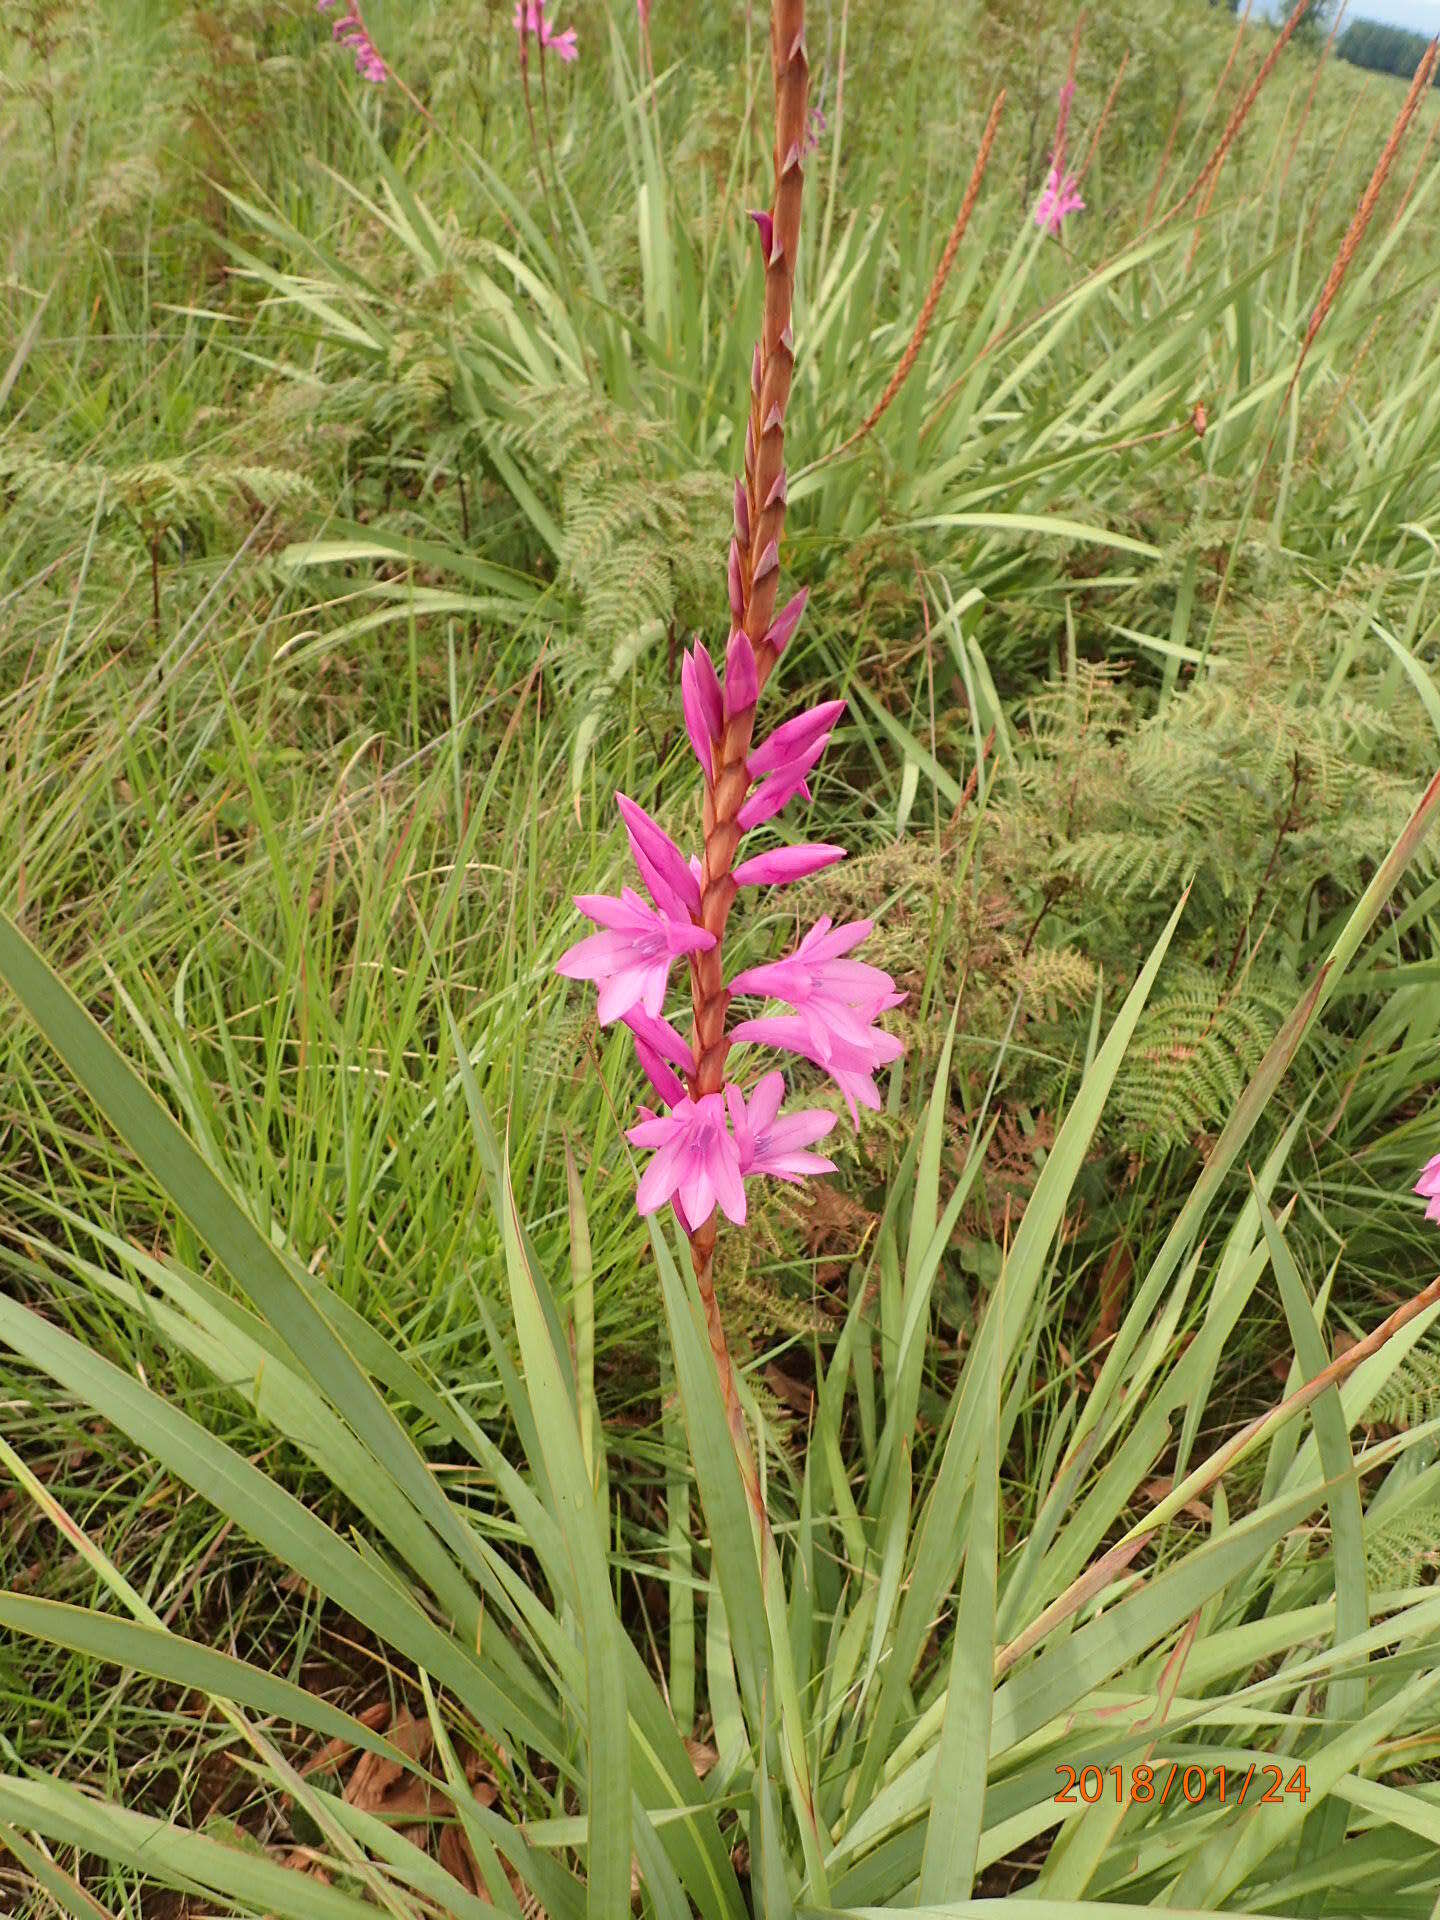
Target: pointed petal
point(784, 864)
point(742, 686)
point(787, 620)
point(661, 864)
point(662, 1078)
point(792, 739)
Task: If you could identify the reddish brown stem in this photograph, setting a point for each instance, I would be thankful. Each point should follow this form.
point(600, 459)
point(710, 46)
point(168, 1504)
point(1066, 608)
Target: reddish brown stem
point(765, 496)
point(765, 503)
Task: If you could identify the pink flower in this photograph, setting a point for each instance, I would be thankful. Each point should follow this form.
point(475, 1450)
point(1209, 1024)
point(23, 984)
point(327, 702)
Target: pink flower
point(631, 959)
point(673, 881)
point(782, 762)
point(696, 1161)
point(1060, 198)
point(656, 1044)
point(1062, 190)
point(851, 1067)
point(642, 7)
point(350, 31)
point(838, 1000)
point(774, 1145)
point(787, 620)
point(784, 864)
point(1429, 1185)
point(742, 686)
point(530, 18)
point(704, 706)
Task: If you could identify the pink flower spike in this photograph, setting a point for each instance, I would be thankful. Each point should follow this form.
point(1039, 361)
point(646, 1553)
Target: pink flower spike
point(787, 620)
point(696, 1161)
point(1429, 1185)
point(630, 959)
point(1060, 199)
point(784, 864)
point(529, 17)
point(742, 686)
point(769, 1144)
point(767, 230)
point(703, 703)
point(351, 32)
point(663, 867)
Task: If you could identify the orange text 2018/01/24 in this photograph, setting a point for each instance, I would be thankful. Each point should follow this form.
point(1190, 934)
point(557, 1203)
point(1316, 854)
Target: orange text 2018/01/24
point(1144, 1785)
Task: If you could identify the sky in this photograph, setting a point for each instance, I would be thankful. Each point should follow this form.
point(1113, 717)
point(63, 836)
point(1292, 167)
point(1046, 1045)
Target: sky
point(1422, 16)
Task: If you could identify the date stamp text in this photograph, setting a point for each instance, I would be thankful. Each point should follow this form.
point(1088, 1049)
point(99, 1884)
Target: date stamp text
point(1167, 1785)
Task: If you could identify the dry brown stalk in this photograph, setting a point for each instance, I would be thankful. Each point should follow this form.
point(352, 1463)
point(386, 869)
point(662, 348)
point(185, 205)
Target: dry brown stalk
point(1166, 151)
point(937, 286)
point(1094, 146)
point(1310, 96)
point(1200, 212)
point(1096, 1578)
point(1240, 25)
point(1245, 103)
point(759, 579)
point(1419, 169)
point(1336, 148)
point(1355, 233)
point(1074, 49)
point(1318, 437)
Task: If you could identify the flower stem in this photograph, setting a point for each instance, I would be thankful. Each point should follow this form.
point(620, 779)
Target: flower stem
point(724, 796)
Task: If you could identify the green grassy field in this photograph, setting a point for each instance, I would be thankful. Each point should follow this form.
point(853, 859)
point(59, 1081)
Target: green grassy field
point(366, 456)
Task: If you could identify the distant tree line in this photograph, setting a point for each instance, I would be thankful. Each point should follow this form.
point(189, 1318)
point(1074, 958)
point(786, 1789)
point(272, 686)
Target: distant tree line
point(1366, 43)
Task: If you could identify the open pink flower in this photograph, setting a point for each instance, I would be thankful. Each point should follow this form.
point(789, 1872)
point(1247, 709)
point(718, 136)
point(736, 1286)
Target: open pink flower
point(695, 1161)
point(630, 960)
point(1060, 198)
point(530, 18)
point(849, 1065)
point(1429, 1185)
point(838, 1000)
point(774, 1144)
